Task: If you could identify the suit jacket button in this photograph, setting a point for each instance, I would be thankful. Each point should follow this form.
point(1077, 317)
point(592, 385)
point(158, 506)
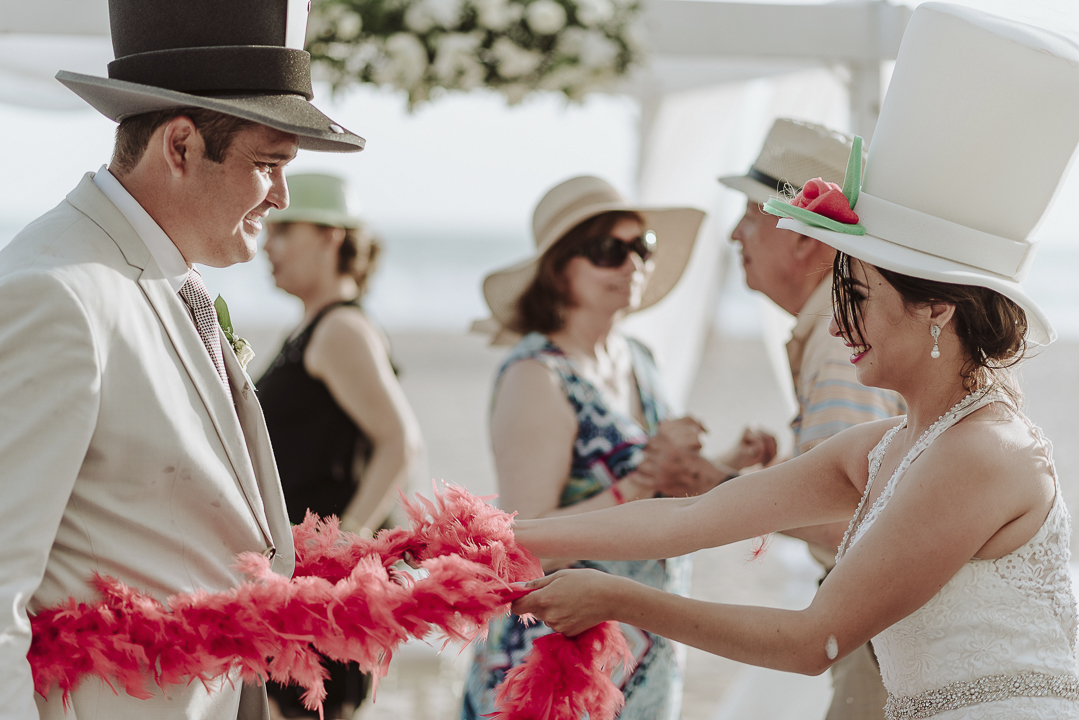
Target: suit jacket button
point(270, 552)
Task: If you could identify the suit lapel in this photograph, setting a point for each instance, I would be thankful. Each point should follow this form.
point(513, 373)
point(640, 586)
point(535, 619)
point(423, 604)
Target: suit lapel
point(259, 450)
point(173, 315)
point(181, 330)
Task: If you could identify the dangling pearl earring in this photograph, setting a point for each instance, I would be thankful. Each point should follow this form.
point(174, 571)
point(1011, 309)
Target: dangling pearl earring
point(935, 332)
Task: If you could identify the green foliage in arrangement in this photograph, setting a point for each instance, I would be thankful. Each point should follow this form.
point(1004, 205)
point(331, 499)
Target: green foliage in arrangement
point(513, 46)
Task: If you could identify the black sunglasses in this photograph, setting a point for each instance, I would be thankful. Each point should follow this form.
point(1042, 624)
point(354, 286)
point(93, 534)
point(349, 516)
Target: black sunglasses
point(611, 252)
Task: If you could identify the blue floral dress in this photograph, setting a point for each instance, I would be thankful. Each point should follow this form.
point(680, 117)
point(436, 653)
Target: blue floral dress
point(608, 446)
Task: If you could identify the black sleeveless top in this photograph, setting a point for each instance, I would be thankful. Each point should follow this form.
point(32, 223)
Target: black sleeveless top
point(314, 441)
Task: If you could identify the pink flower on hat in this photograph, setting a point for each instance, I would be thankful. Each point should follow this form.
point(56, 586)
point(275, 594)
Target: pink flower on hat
point(827, 199)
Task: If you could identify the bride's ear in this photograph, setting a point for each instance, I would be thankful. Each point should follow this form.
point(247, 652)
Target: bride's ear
point(939, 313)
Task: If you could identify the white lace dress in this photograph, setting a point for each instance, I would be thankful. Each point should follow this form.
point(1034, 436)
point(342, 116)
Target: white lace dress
point(999, 639)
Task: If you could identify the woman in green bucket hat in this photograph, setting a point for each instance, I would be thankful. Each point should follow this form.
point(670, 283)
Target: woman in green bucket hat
point(343, 433)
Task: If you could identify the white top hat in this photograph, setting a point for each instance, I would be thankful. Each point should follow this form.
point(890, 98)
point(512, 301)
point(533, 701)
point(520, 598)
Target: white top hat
point(566, 206)
point(794, 152)
point(977, 130)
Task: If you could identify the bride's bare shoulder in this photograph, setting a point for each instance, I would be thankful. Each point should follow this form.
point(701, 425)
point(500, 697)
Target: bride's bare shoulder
point(996, 446)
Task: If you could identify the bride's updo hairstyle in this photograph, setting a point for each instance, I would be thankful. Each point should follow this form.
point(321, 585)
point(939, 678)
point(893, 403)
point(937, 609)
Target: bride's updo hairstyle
point(991, 328)
point(542, 306)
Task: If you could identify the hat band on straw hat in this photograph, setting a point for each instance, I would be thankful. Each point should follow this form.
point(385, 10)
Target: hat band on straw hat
point(764, 178)
point(596, 198)
point(942, 238)
point(230, 69)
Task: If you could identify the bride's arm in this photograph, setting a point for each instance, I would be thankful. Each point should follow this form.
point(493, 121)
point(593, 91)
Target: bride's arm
point(821, 486)
point(960, 501)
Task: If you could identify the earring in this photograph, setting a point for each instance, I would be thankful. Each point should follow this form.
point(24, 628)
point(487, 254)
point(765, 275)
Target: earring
point(935, 332)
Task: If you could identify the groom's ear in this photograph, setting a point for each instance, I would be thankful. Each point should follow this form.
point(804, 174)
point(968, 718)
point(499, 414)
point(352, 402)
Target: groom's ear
point(180, 144)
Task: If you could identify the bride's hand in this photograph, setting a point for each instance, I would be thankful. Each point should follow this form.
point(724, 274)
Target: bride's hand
point(570, 601)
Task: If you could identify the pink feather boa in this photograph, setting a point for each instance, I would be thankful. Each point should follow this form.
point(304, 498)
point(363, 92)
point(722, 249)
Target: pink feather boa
point(345, 601)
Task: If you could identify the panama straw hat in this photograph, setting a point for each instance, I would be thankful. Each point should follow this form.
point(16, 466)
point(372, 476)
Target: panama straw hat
point(794, 152)
point(570, 203)
point(317, 198)
point(239, 57)
point(976, 132)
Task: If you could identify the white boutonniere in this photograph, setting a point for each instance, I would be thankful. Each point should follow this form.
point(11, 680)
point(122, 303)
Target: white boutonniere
point(242, 348)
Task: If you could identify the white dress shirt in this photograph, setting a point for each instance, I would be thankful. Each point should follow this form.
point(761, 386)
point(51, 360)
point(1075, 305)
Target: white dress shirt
point(161, 247)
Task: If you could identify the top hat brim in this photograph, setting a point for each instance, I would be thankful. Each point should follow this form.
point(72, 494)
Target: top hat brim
point(675, 228)
point(118, 99)
point(908, 261)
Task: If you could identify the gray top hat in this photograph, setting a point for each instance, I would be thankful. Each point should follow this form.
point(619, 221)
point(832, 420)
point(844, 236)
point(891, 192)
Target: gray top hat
point(239, 57)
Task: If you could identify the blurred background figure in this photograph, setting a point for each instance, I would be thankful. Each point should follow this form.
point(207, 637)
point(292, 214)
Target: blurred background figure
point(343, 433)
point(795, 272)
point(575, 401)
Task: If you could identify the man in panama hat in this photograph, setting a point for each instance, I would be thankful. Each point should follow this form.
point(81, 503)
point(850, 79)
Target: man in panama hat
point(131, 442)
point(795, 272)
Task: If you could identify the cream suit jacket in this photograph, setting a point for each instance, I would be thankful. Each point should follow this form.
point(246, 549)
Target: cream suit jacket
point(121, 453)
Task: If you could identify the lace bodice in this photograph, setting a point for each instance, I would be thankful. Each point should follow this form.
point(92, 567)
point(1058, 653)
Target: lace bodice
point(993, 622)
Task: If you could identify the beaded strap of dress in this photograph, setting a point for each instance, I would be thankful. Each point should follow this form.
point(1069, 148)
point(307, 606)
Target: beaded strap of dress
point(997, 641)
point(859, 522)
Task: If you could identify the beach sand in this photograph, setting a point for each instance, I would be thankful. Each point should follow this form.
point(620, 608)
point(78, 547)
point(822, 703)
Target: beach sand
point(447, 378)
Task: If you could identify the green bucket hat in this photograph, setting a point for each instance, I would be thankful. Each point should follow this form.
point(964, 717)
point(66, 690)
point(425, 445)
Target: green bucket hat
point(316, 198)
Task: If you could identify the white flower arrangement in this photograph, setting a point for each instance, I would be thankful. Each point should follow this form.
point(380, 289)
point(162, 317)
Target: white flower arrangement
point(514, 46)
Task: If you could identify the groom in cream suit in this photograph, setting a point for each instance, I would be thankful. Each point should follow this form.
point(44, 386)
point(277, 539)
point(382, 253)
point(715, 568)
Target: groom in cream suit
point(131, 442)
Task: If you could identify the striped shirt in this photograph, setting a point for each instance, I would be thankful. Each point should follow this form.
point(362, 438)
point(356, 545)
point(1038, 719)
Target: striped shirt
point(830, 398)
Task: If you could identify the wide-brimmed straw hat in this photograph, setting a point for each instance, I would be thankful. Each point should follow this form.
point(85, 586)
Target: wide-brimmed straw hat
point(975, 135)
point(317, 198)
point(239, 57)
point(794, 152)
point(569, 204)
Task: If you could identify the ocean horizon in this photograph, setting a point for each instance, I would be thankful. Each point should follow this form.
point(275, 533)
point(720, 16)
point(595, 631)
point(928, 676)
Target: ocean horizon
point(430, 280)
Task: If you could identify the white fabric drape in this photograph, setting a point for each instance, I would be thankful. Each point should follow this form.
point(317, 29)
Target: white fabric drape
point(689, 140)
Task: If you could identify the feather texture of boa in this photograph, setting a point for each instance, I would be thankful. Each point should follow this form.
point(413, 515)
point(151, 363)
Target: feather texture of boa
point(345, 601)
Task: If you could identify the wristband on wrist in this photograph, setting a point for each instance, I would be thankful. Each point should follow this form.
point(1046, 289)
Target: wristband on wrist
point(619, 498)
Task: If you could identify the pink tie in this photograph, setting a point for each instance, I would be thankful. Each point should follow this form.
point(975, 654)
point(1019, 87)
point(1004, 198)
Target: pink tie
point(197, 297)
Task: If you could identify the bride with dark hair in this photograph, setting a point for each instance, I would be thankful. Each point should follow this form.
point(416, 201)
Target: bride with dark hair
point(956, 560)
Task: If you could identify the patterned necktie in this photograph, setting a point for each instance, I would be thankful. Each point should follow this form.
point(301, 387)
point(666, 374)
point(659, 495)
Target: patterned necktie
point(197, 297)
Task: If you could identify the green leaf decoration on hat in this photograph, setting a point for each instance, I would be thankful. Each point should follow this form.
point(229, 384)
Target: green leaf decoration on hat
point(852, 179)
point(833, 207)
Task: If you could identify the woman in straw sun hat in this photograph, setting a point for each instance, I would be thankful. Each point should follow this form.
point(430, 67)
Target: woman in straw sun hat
point(575, 401)
point(956, 560)
point(343, 433)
